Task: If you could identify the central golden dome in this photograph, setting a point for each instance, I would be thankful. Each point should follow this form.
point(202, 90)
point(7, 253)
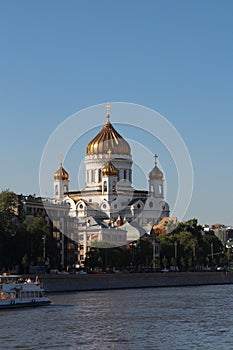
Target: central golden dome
point(108, 139)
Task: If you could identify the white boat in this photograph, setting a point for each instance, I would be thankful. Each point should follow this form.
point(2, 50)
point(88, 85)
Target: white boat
point(18, 292)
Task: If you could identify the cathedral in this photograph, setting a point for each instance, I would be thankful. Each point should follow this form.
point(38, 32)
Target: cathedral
point(109, 198)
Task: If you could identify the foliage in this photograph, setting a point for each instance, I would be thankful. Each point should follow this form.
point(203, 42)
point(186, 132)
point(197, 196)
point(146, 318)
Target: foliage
point(20, 238)
point(186, 246)
point(107, 258)
point(136, 255)
point(21, 244)
point(193, 245)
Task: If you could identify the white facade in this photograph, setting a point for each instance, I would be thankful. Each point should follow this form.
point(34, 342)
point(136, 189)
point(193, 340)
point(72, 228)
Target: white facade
point(95, 163)
point(108, 194)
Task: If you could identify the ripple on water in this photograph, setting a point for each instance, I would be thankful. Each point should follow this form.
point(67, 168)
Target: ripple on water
point(143, 319)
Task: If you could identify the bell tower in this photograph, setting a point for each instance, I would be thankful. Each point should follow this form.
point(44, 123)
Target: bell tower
point(61, 182)
point(156, 181)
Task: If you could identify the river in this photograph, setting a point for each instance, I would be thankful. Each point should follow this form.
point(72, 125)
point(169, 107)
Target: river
point(138, 319)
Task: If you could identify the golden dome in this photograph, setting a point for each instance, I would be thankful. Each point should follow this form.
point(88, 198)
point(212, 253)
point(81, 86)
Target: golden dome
point(156, 173)
point(61, 174)
point(108, 139)
point(109, 169)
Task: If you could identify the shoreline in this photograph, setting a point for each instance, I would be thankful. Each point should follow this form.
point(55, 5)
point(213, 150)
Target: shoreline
point(91, 282)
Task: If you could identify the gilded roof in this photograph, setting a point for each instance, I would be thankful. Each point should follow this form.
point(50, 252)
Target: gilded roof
point(155, 173)
point(108, 139)
point(61, 174)
point(109, 169)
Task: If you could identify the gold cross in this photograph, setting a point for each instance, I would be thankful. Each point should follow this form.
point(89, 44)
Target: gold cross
point(108, 107)
point(61, 159)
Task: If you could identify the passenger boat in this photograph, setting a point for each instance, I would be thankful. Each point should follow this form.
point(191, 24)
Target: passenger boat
point(16, 291)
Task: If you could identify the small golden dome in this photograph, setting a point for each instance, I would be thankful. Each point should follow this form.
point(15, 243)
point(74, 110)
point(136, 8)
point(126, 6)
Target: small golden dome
point(61, 174)
point(108, 139)
point(109, 169)
point(156, 173)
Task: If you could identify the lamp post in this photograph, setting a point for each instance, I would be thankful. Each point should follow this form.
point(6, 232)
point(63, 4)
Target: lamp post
point(212, 253)
point(153, 253)
point(194, 253)
point(133, 248)
point(175, 246)
point(44, 253)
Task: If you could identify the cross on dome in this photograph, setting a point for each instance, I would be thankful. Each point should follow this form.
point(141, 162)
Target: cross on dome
point(61, 159)
point(108, 107)
point(61, 173)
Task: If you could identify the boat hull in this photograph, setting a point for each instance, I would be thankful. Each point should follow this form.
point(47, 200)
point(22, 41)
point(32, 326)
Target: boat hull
point(19, 304)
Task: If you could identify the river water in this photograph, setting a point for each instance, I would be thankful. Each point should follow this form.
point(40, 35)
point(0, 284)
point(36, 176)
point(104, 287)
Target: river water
point(137, 319)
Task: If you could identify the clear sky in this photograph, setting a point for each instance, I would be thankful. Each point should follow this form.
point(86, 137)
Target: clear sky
point(176, 57)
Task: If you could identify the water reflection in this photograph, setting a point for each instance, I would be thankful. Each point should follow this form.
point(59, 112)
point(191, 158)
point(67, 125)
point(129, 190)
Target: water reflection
point(159, 318)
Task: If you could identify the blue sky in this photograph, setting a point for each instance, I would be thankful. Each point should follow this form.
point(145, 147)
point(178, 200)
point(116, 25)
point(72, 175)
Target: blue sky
point(58, 57)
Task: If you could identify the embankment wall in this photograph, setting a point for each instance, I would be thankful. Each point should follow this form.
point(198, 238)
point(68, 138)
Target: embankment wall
point(91, 282)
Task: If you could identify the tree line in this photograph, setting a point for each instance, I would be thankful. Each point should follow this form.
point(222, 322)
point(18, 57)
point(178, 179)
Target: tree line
point(21, 238)
point(184, 244)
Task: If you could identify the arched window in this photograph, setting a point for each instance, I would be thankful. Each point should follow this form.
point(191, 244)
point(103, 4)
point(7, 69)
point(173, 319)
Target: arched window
point(65, 188)
point(56, 190)
point(125, 174)
point(160, 189)
point(130, 175)
point(105, 186)
point(114, 186)
point(100, 175)
point(92, 176)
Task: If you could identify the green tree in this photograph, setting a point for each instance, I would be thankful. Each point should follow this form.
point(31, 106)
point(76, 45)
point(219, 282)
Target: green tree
point(213, 249)
point(42, 242)
point(165, 262)
point(9, 227)
point(8, 212)
point(193, 245)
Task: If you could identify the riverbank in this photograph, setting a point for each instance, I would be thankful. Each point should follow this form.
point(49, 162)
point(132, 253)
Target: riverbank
point(70, 283)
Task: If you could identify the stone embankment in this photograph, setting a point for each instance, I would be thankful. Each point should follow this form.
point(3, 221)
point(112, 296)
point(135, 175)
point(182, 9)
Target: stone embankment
point(91, 282)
